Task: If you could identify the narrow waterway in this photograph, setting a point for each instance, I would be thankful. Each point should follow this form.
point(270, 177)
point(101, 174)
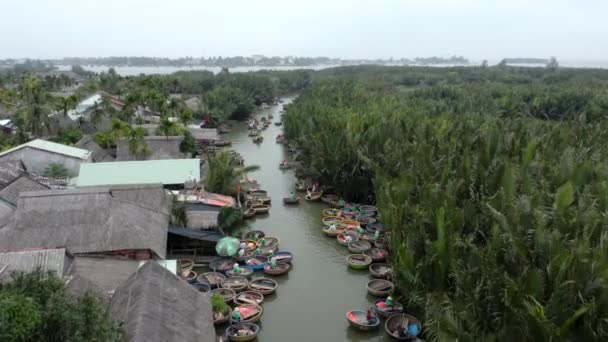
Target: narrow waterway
point(311, 301)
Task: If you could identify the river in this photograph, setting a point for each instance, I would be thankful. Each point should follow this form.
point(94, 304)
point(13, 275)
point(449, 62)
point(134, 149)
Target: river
point(311, 301)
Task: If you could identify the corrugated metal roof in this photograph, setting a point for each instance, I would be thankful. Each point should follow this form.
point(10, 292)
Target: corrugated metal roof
point(52, 147)
point(47, 259)
point(166, 172)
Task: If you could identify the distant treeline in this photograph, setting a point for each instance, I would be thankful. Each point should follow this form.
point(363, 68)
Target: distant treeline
point(526, 60)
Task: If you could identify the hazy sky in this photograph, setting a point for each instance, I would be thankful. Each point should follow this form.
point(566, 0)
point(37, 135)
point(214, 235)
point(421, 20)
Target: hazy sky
point(478, 29)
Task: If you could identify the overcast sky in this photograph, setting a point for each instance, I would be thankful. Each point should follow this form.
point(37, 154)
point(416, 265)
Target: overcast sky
point(477, 29)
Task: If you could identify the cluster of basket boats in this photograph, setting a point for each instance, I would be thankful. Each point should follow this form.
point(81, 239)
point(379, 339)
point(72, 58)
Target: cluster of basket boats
point(238, 286)
point(358, 228)
point(256, 127)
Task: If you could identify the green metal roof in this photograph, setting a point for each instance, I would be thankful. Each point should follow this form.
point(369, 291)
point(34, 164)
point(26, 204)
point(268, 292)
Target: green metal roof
point(167, 172)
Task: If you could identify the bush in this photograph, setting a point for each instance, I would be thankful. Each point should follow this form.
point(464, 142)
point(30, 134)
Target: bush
point(55, 170)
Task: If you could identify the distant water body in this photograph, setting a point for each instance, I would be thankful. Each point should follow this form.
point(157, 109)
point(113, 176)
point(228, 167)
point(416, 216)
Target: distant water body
point(164, 70)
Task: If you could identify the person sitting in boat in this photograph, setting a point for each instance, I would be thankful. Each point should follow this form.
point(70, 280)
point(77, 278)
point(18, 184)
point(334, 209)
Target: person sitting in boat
point(360, 230)
point(263, 243)
point(292, 195)
point(369, 316)
point(389, 301)
point(257, 251)
point(241, 252)
point(243, 245)
point(348, 239)
point(236, 268)
point(333, 227)
point(413, 329)
point(285, 163)
point(273, 262)
point(236, 315)
point(376, 235)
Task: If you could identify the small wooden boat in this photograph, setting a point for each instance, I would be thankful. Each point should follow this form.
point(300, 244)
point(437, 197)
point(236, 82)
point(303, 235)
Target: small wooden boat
point(257, 192)
point(365, 220)
point(221, 264)
point(380, 244)
point(227, 294)
point(258, 139)
point(256, 262)
point(358, 261)
point(264, 286)
point(184, 266)
point(249, 297)
point(377, 254)
point(236, 283)
point(359, 246)
point(253, 133)
point(253, 235)
point(245, 272)
point(358, 319)
point(350, 224)
point(278, 123)
point(251, 244)
point(368, 208)
point(250, 313)
point(265, 200)
point(223, 143)
point(283, 256)
point(201, 287)
point(332, 233)
point(261, 209)
point(330, 212)
point(291, 200)
point(328, 198)
point(242, 332)
point(278, 269)
point(395, 323)
point(270, 243)
point(213, 278)
point(285, 166)
point(313, 196)
point(220, 318)
point(329, 220)
point(380, 287)
point(380, 270)
point(342, 240)
point(385, 311)
point(250, 203)
point(301, 187)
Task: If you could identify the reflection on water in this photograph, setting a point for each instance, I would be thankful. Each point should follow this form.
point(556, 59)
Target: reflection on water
point(311, 301)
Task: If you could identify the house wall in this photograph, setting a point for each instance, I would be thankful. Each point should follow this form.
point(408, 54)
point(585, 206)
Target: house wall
point(37, 161)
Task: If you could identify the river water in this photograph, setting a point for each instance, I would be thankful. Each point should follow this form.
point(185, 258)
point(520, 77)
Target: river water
point(311, 301)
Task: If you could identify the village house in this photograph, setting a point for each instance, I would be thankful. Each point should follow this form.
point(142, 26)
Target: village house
point(11, 191)
point(98, 154)
point(38, 154)
point(159, 147)
point(172, 174)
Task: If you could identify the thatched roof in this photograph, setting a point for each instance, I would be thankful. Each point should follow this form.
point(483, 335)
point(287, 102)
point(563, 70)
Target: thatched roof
point(7, 210)
point(54, 260)
point(10, 170)
point(99, 154)
point(85, 220)
point(24, 183)
point(105, 273)
point(155, 305)
point(160, 147)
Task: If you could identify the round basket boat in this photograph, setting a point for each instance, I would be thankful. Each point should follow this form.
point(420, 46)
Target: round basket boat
point(249, 213)
point(236, 283)
point(264, 286)
point(256, 262)
point(233, 332)
point(301, 187)
point(380, 244)
point(399, 321)
point(264, 199)
point(377, 254)
point(358, 319)
point(342, 240)
point(221, 264)
point(227, 294)
point(370, 208)
point(244, 272)
point(224, 318)
point(278, 269)
point(190, 277)
point(269, 242)
point(329, 220)
point(201, 287)
point(212, 278)
point(358, 261)
point(349, 211)
point(385, 311)
point(253, 235)
point(328, 198)
point(332, 233)
point(380, 287)
point(330, 212)
point(249, 297)
point(350, 224)
point(365, 220)
point(185, 266)
point(373, 227)
point(369, 237)
point(250, 313)
point(336, 204)
point(283, 256)
point(313, 196)
point(358, 247)
point(380, 270)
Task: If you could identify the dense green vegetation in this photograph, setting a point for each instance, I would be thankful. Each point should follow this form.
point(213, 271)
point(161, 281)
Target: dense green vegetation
point(224, 174)
point(493, 185)
point(35, 307)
